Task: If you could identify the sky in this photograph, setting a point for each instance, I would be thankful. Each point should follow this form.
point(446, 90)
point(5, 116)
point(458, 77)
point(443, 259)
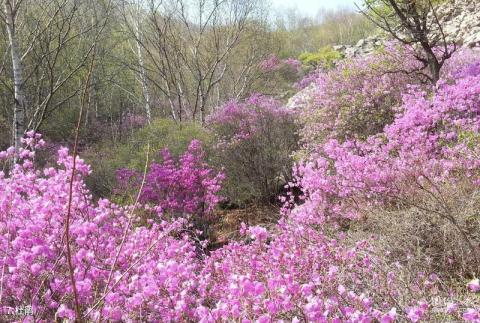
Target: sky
point(311, 7)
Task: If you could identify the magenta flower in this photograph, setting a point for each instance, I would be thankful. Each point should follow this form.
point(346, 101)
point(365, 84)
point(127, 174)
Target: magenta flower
point(474, 285)
point(471, 315)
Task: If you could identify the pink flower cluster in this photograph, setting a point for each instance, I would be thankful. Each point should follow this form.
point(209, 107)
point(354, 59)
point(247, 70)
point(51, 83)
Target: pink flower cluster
point(431, 140)
point(355, 99)
point(128, 271)
point(122, 271)
point(238, 121)
point(273, 63)
point(299, 274)
point(188, 187)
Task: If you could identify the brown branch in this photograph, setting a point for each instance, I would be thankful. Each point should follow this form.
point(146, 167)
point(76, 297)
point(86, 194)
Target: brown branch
point(71, 269)
point(127, 227)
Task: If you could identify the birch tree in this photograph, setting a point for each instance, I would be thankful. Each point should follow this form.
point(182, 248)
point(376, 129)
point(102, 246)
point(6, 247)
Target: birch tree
point(134, 16)
point(49, 44)
point(188, 46)
point(11, 8)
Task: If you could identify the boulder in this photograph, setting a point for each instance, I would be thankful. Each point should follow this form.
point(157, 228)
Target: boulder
point(460, 20)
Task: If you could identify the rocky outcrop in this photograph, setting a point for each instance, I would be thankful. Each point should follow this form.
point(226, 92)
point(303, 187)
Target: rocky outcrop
point(363, 47)
point(460, 20)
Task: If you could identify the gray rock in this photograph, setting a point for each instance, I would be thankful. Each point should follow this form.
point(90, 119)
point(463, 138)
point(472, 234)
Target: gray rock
point(350, 52)
point(473, 38)
point(460, 20)
point(361, 42)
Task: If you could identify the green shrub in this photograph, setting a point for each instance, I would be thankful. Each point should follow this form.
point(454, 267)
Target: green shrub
point(107, 157)
point(325, 57)
point(254, 141)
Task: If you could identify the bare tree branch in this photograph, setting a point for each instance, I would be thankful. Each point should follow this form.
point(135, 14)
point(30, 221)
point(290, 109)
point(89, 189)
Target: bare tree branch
point(415, 24)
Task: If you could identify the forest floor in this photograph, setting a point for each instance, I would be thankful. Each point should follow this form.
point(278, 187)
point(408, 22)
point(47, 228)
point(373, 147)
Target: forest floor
point(226, 227)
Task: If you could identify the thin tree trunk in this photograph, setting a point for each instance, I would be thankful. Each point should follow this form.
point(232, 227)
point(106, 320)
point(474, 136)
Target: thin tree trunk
point(19, 95)
point(143, 75)
point(202, 107)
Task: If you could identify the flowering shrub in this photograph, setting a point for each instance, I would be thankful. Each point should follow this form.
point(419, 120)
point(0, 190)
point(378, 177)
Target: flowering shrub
point(465, 58)
point(126, 271)
point(106, 158)
point(355, 99)
point(122, 271)
point(305, 269)
point(301, 274)
point(253, 142)
point(414, 185)
point(276, 76)
point(273, 63)
point(189, 187)
point(424, 144)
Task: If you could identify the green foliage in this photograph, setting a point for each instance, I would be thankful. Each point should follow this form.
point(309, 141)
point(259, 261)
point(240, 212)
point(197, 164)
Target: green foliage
point(384, 7)
point(297, 34)
point(254, 142)
point(379, 10)
point(4, 133)
point(324, 57)
point(470, 138)
point(162, 133)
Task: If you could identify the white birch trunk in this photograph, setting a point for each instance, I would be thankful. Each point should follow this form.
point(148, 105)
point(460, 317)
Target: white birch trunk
point(19, 95)
point(143, 73)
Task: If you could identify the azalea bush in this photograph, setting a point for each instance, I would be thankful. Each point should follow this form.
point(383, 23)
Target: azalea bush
point(355, 99)
point(186, 188)
point(428, 151)
point(128, 270)
point(122, 271)
point(276, 76)
point(301, 274)
point(425, 143)
point(274, 63)
point(254, 141)
point(130, 152)
point(71, 257)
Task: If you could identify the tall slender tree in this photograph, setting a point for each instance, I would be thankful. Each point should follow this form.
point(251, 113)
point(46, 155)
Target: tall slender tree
point(188, 46)
point(49, 43)
point(11, 8)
